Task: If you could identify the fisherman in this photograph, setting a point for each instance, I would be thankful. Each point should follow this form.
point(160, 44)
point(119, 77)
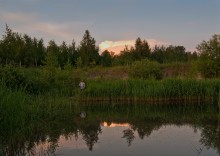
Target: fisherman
point(82, 85)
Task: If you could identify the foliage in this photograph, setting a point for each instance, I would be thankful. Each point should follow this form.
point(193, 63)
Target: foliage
point(141, 50)
point(181, 91)
point(12, 78)
point(21, 50)
point(20, 79)
point(106, 59)
point(209, 62)
point(88, 51)
point(170, 54)
point(146, 69)
point(79, 62)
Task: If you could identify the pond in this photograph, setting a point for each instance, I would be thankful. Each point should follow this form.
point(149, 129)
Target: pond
point(121, 139)
point(122, 130)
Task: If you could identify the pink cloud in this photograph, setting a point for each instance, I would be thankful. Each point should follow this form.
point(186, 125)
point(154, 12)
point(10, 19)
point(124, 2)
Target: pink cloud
point(118, 46)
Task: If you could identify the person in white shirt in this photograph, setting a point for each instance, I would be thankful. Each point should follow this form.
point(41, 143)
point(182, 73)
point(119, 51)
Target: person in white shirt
point(82, 85)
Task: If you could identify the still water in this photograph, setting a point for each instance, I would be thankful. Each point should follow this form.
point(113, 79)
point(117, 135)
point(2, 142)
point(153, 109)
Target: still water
point(122, 139)
point(123, 131)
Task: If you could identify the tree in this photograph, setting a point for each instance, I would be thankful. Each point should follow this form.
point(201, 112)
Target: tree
point(169, 54)
point(73, 54)
point(41, 52)
point(88, 51)
point(125, 58)
point(158, 53)
point(51, 61)
point(52, 55)
point(9, 46)
point(29, 51)
point(106, 59)
point(141, 50)
point(63, 55)
point(22, 50)
point(209, 57)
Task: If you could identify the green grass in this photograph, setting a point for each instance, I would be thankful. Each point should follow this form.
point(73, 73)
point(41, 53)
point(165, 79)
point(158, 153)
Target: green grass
point(139, 90)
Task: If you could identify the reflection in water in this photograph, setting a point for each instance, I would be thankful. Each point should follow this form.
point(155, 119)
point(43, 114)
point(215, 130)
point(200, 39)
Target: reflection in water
point(128, 135)
point(167, 140)
point(119, 131)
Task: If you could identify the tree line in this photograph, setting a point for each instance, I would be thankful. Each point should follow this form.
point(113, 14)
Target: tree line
point(23, 50)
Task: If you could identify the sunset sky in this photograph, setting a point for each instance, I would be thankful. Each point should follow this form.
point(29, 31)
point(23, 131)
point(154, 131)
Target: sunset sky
point(114, 23)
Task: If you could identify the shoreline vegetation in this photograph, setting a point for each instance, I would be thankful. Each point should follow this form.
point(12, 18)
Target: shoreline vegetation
point(103, 87)
point(175, 90)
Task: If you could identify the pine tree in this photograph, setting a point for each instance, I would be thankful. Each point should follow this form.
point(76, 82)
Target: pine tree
point(88, 51)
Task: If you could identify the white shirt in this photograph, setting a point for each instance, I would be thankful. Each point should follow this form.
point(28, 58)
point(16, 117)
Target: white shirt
point(82, 85)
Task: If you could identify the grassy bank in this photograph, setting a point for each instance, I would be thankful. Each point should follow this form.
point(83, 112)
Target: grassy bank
point(100, 87)
point(151, 91)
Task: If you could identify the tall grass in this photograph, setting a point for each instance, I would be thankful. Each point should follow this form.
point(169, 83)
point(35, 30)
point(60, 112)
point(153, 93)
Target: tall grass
point(152, 91)
point(12, 108)
point(23, 115)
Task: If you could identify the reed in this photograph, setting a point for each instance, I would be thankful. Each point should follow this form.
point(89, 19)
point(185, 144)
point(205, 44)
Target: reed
point(151, 91)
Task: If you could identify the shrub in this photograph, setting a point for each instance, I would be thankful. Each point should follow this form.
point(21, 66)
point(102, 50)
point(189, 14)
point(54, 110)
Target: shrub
point(145, 69)
point(12, 77)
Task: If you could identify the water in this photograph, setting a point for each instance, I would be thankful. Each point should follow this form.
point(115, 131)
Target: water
point(122, 139)
point(123, 131)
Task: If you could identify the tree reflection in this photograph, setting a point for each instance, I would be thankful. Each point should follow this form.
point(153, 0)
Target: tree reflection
point(210, 135)
point(24, 141)
point(129, 136)
point(145, 128)
point(90, 135)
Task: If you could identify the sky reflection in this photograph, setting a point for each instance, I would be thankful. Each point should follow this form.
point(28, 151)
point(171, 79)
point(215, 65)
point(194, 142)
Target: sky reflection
point(168, 140)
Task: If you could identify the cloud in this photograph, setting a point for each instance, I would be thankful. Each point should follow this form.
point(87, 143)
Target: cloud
point(32, 25)
point(115, 46)
point(118, 46)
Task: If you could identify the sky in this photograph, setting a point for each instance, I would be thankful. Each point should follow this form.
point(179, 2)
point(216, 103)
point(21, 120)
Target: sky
point(114, 23)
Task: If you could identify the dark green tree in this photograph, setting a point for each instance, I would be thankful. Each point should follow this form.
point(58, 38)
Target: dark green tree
point(41, 53)
point(63, 55)
point(88, 51)
point(9, 45)
point(209, 57)
point(29, 51)
point(141, 49)
point(73, 55)
point(158, 53)
point(106, 59)
point(21, 50)
point(51, 60)
point(125, 58)
point(169, 54)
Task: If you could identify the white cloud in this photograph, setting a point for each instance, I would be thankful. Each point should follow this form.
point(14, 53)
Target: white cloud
point(118, 46)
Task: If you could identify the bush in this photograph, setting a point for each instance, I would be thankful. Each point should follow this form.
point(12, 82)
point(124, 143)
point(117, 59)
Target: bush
point(145, 69)
point(12, 78)
point(21, 79)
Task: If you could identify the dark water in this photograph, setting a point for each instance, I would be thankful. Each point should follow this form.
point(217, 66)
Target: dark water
point(120, 131)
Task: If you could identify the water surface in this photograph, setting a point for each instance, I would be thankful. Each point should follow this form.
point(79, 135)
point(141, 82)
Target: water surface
point(119, 131)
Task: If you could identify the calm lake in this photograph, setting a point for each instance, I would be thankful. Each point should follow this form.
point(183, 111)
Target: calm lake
point(122, 131)
point(121, 139)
